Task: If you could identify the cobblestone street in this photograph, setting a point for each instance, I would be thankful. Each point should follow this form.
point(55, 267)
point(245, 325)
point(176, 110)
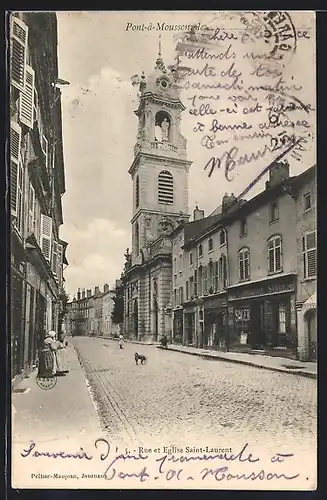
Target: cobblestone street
point(176, 399)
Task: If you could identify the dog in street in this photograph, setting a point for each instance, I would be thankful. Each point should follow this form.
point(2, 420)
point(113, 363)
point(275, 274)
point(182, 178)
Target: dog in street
point(139, 357)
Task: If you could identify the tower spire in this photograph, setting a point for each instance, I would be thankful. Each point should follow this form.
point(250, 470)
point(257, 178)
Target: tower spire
point(159, 62)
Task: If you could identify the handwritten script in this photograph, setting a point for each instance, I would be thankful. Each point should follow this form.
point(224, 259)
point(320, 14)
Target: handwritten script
point(172, 464)
point(248, 84)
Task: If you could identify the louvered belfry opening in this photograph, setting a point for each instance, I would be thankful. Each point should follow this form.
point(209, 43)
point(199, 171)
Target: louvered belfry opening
point(165, 188)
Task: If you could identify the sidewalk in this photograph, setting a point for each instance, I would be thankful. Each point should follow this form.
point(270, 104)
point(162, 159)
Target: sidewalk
point(274, 363)
point(59, 419)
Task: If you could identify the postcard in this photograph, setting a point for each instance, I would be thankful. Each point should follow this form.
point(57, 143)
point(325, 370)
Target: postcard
point(162, 179)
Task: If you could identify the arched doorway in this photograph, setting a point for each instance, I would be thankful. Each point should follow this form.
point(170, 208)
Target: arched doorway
point(311, 325)
point(135, 319)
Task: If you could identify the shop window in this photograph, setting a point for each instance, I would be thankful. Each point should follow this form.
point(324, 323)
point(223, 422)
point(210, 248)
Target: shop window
point(274, 212)
point(243, 228)
point(222, 237)
point(210, 245)
point(309, 251)
point(307, 202)
point(275, 254)
point(244, 264)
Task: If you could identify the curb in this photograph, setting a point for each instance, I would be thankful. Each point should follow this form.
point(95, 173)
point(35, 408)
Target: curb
point(126, 340)
point(247, 363)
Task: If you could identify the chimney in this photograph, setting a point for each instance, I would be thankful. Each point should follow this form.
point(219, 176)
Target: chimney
point(83, 293)
point(198, 214)
point(89, 293)
point(96, 291)
point(106, 288)
point(277, 173)
point(79, 294)
point(228, 201)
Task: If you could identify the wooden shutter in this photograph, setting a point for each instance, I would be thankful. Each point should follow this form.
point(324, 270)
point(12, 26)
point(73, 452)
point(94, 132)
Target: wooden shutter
point(26, 99)
point(311, 253)
point(46, 231)
point(15, 139)
point(19, 34)
point(31, 209)
point(54, 257)
point(59, 263)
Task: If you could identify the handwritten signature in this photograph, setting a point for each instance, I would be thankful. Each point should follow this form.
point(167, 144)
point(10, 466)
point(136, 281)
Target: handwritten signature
point(169, 466)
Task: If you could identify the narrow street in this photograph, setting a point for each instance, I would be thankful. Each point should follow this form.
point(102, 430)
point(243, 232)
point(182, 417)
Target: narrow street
point(177, 399)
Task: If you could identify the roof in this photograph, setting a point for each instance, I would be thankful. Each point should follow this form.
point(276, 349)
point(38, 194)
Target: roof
point(243, 207)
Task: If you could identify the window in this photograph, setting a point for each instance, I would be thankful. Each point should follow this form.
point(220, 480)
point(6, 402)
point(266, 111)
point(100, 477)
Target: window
point(19, 35)
point(180, 262)
point(195, 283)
point(54, 263)
point(165, 188)
point(243, 228)
point(46, 232)
point(222, 270)
point(16, 176)
point(26, 99)
point(200, 250)
point(274, 212)
point(222, 237)
point(307, 201)
point(275, 254)
point(210, 277)
point(309, 250)
point(244, 264)
point(191, 258)
point(175, 265)
point(216, 277)
point(210, 245)
point(200, 282)
point(282, 318)
point(137, 191)
point(186, 291)
point(191, 286)
point(175, 297)
point(181, 298)
point(31, 209)
point(205, 280)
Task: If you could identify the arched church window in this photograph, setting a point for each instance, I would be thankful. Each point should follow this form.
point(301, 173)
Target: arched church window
point(162, 126)
point(165, 188)
point(137, 191)
point(137, 239)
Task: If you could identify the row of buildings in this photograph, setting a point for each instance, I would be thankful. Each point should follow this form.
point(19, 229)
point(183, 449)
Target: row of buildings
point(37, 183)
point(243, 278)
point(90, 313)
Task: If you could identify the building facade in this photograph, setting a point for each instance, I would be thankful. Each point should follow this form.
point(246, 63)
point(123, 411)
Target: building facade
point(159, 174)
point(245, 278)
point(90, 313)
point(37, 183)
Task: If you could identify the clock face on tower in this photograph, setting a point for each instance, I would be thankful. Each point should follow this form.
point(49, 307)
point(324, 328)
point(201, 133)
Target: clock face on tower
point(163, 83)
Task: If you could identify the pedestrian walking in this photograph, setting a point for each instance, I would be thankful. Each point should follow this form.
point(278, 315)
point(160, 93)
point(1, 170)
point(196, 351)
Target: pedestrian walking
point(164, 341)
point(121, 341)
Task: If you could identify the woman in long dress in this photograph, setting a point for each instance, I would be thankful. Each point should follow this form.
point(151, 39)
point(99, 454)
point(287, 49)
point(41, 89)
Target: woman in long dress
point(54, 346)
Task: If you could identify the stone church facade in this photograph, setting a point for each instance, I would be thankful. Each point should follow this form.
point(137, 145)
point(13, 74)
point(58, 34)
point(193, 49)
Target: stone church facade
point(159, 174)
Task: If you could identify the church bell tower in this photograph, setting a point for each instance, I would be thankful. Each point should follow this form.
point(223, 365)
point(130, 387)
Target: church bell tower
point(160, 168)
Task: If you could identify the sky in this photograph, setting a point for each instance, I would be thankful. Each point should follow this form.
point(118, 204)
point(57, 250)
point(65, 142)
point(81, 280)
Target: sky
point(98, 56)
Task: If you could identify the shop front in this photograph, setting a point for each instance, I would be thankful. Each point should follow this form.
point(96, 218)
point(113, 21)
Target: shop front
point(189, 325)
point(262, 315)
point(215, 322)
point(178, 326)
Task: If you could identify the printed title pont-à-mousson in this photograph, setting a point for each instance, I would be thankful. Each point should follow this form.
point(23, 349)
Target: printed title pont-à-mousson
point(164, 27)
